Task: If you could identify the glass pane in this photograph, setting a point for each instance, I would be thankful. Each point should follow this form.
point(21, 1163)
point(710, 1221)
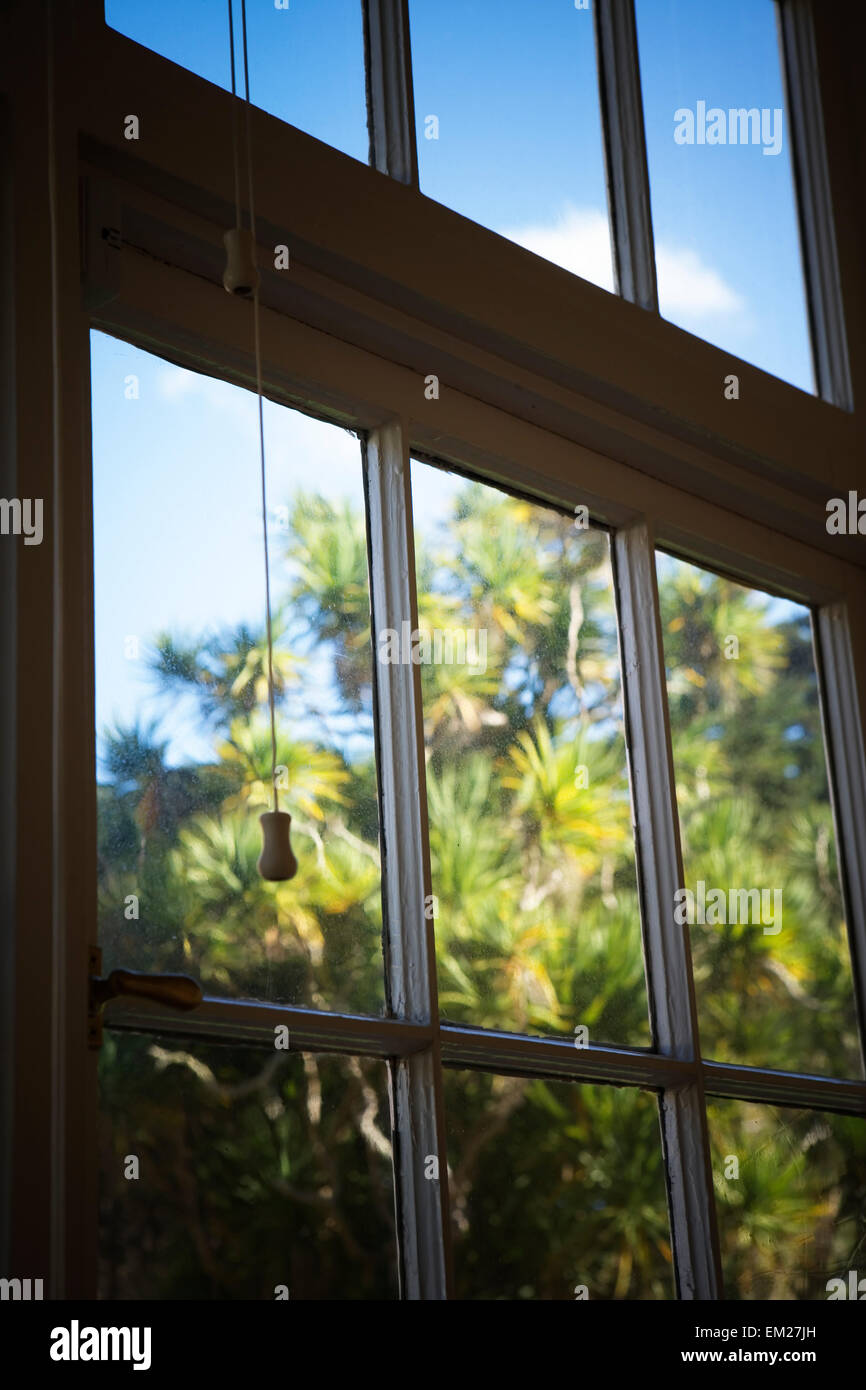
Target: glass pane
point(790, 1187)
point(181, 690)
point(256, 1175)
point(772, 965)
point(306, 58)
point(508, 124)
point(537, 915)
point(557, 1190)
point(721, 180)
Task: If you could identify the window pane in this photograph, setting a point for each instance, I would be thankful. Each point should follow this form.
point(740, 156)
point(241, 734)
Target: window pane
point(723, 205)
point(255, 1170)
point(306, 61)
point(509, 131)
point(537, 918)
point(557, 1190)
point(181, 690)
point(791, 1200)
point(772, 966)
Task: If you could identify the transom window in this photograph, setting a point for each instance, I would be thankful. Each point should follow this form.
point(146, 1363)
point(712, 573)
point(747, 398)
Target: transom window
point(517, 120)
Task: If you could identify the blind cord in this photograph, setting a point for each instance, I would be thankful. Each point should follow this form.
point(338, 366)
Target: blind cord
point(258, 351)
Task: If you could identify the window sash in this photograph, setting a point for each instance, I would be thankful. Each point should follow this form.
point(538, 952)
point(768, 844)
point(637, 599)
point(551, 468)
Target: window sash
point(416, 1042)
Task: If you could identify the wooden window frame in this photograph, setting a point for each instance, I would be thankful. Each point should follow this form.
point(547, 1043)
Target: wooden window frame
point(371, 305)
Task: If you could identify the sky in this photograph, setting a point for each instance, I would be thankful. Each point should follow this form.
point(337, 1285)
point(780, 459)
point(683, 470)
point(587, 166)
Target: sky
point(178, 543)
point(513, 86)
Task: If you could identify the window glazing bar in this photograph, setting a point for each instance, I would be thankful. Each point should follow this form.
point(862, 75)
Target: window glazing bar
point(390, 101)
point(628, 192)
point(784, 1088)
point(815, 207)
point(422, 1203)
point(514, 1054)
point(517, 1054)
point(844, 724)
point(666, 946)
point(252, 1022)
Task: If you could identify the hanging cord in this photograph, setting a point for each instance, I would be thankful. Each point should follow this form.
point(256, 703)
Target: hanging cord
point(235, 141)
point(258, 354)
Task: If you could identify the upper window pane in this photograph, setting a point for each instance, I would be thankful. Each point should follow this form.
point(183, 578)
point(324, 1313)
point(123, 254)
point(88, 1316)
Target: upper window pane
point(537, 915)
point(181, 690)
point(723, 205)
point(306, 61)
point(772, 965)
point(509, 131)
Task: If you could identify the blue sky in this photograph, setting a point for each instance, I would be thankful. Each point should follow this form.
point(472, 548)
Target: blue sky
point(731, 206)
point(514, 89)
point(306, 63)
point(178, 532)
point(177, 525)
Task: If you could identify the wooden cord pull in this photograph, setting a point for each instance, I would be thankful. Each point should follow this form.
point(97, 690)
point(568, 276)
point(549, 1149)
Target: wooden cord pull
point(276, 861)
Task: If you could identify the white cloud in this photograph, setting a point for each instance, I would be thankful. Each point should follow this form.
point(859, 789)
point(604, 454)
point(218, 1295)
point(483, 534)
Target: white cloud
point(689, 287)
point(690, 290)
point(173, 382)
point(578, 240)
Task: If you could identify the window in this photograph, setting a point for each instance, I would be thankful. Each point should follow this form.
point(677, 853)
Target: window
point(810, 1164)
point(537, 875)
point(582, 1214)
point(537, 916)
point(306, 60)
point(508, 125)
point(183, 737)
point(499, 118)
point(253, 1177)
point(513, 522)
point(764, 900)
point(721, 180)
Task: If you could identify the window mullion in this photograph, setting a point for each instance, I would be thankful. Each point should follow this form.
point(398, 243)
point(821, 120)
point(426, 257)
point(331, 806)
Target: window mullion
point(812, 181)
point(666, 945)
point(842, 713)
point(422, 1200)
point(391, 108)
point(628, 190)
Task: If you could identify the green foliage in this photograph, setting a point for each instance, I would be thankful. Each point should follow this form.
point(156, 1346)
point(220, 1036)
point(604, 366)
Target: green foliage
point(537, 924)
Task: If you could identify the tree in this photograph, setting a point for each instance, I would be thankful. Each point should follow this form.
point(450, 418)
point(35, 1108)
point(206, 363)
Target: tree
point(537, 924)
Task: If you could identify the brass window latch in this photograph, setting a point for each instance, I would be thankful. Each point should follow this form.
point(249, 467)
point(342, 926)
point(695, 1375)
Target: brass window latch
point(176, 991)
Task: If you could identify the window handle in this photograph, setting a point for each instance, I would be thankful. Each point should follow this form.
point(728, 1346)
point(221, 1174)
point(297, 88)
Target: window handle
point(175, 991)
